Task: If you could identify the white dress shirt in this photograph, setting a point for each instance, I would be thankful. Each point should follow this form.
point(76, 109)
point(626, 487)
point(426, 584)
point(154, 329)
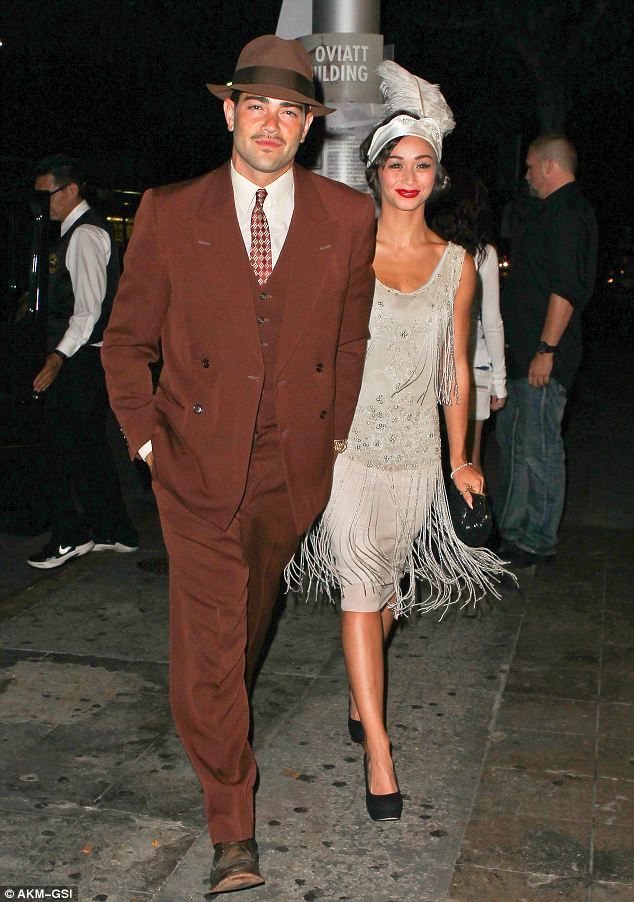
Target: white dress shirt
point(279, 204)
point(87, 257)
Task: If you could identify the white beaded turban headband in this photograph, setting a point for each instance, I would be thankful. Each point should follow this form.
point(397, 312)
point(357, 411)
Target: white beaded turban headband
point(404, 91)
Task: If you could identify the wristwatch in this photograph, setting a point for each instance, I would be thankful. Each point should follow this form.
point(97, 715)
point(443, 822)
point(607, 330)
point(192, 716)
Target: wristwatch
point(544, 348)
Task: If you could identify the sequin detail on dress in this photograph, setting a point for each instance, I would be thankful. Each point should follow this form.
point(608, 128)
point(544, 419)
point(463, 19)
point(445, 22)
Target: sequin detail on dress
point(388, 514)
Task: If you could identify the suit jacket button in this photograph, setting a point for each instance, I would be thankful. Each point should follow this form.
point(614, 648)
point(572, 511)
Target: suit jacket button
point(323, 414)
point(205, 363)
point(319, 367)
point(197, 408)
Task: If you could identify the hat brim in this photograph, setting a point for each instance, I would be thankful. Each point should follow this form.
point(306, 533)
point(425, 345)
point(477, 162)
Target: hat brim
point(275, 91)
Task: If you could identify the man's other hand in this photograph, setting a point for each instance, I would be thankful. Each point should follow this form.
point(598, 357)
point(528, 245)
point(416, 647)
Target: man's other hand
point(497, 403)
point(150, 462)
point(48, 374)
point(540, 369)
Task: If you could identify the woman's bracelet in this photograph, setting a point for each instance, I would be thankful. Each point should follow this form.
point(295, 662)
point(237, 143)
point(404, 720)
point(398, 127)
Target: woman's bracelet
point(461, 467)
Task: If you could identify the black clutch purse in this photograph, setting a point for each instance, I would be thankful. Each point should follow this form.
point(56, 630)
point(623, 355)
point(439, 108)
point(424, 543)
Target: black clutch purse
point(472, 525)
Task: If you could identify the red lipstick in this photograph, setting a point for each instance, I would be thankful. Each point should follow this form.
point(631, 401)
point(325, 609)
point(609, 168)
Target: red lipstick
point(404, 192)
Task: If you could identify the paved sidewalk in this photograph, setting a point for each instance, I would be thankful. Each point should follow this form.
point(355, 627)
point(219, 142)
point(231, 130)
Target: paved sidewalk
point(512, 732)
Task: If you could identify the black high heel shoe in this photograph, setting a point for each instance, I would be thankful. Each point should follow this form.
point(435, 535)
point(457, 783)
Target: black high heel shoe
point(388, 807)
point(355, 728)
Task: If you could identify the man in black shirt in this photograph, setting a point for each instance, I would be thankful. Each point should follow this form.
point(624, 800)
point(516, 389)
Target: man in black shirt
point(553, 264)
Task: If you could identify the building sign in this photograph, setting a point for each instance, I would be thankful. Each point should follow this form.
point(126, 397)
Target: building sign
point(345, 64)
point(341, 63)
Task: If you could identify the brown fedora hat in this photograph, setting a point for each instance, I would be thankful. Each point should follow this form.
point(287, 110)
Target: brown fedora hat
point(273, 67)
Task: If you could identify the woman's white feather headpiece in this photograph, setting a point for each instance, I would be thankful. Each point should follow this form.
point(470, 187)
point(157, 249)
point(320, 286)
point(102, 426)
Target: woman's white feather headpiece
point(404, 91)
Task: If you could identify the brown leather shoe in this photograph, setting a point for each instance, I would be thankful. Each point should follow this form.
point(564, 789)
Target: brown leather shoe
point(235, 866)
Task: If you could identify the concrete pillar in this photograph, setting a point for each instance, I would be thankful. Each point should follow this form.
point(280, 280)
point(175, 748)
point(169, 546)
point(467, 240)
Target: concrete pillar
point(347, 16)
point(346, 46)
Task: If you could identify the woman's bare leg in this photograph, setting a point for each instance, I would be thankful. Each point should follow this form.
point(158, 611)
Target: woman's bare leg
point(363, 646)
point(387, 621)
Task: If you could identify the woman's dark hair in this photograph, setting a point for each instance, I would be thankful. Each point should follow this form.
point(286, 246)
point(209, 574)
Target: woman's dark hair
point(464, 215)
point(372, 172)
point(64, 170)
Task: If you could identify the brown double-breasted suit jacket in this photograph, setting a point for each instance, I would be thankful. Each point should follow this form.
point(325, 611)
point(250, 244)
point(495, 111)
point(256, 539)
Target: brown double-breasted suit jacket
point(187, 291)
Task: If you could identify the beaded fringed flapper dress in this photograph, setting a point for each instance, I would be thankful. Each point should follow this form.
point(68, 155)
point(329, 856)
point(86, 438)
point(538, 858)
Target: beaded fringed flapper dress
point(388, 515)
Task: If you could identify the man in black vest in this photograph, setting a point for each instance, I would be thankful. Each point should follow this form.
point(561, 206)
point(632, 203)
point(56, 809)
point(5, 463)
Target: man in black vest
point(83, 279)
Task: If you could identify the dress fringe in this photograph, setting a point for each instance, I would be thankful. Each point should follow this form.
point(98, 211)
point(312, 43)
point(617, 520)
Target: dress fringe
point(433, 558)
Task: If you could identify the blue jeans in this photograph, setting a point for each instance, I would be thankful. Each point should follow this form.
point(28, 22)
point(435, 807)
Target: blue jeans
point(530, 497)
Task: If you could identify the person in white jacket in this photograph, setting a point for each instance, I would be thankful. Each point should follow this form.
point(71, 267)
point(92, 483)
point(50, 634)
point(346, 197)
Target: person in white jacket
point(487, 348)
point(464, 219)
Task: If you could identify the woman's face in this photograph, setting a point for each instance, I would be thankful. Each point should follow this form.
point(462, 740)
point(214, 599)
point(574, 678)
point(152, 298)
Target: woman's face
point(408, 177)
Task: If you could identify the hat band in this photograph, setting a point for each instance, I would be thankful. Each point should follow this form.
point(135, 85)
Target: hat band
point(272, 75)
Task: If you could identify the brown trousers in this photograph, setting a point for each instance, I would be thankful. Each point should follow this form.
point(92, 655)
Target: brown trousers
point(216, 577)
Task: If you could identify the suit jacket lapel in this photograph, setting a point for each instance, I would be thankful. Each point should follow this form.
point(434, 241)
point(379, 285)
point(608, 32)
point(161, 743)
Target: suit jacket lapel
point(304, 261)
point(223, 261)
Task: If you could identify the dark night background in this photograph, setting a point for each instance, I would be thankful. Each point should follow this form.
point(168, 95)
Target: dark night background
point(121, 84)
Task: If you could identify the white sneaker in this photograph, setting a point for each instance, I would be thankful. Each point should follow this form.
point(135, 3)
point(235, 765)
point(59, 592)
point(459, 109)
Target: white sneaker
point(113, 545)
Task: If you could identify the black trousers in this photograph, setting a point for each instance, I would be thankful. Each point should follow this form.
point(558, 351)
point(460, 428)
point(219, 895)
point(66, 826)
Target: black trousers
point(77, 462)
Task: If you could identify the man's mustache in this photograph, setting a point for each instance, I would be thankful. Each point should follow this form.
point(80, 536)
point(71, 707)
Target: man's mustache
point(263, 135)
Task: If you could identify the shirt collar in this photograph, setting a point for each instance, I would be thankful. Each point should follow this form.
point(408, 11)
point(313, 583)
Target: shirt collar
point(276, 193)
point(563, 192)
point(74, 215)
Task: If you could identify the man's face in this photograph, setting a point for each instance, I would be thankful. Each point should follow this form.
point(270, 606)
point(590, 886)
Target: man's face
point(62, 201)
point(266, 135)
point(536, 175)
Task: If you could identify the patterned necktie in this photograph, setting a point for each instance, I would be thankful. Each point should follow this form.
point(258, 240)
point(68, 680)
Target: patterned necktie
point(260, 256)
